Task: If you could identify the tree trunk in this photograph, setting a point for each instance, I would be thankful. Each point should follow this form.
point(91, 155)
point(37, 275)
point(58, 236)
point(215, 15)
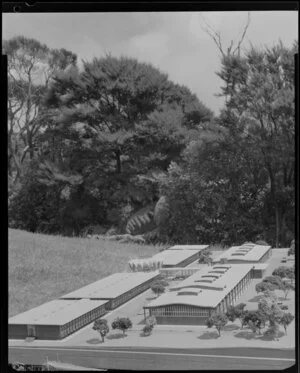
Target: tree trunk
point(277, 221)
point(118, 159)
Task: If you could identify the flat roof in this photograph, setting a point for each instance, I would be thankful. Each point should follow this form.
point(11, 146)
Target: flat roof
point(246, 252)
point(173, 257)
point(260, 265)
point(188, 247)
point(56, 312)
point(112, 286)
point(210, 286)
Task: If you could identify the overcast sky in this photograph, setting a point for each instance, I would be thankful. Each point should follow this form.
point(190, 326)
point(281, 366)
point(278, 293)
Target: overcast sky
point(174, 42)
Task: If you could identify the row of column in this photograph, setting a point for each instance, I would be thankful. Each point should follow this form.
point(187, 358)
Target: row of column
point(235, 293)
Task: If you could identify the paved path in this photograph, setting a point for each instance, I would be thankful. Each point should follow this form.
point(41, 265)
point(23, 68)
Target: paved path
point(159, 359)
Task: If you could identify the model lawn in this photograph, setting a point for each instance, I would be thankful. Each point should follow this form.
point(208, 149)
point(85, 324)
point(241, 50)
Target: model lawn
point(43, 267)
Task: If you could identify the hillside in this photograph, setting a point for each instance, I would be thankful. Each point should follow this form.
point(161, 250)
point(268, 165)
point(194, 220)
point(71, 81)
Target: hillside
point(43, 267)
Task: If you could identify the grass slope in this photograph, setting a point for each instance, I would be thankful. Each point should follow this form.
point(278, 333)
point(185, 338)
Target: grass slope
point(44, 267)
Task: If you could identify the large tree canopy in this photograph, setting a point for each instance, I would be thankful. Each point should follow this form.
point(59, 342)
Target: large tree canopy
point(115, 123)
point(236, 179)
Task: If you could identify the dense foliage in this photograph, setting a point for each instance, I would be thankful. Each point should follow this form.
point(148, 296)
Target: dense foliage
point(219, 320)
point(117, 144)
point(101, 327)
point(122, 323)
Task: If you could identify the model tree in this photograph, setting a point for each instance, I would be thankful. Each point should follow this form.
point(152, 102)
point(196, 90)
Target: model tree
point(285, 272)
point(271, 310)
point(263, 287)
point(205, 257)
point(256, 320)
point(275, 280)
point(285, 320)
point(236, 312)
point(147, 329)
point(218, 320)
point(123, 323)
point(282, 271)
point(292, 249)
point(162, 280)
point(101, 326)
point(286, 287)
point(158, 288)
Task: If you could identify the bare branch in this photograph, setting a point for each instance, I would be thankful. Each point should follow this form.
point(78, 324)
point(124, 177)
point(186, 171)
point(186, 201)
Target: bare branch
point(215, 35)
point(243, 34)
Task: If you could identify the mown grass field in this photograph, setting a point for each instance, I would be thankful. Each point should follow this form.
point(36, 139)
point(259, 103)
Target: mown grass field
point(44, 267)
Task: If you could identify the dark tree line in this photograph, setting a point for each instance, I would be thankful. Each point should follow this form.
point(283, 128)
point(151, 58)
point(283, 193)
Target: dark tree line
point(119, 144)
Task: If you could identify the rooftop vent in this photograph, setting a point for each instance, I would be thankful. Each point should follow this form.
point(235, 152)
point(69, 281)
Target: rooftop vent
point(218, 271)
point(189, 292)
point(213, 276)
point(208, 281)
point(222, 267)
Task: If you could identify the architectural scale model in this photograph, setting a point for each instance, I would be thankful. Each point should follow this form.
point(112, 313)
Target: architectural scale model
point(196, 298)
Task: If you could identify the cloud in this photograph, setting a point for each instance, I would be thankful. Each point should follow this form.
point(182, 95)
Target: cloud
point(172, 41)
point(149, 47)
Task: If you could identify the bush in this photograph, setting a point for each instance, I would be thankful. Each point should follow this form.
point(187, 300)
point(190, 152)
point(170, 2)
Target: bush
point(123, 323)
point(261, 242)
point(35, 207)
point(218, 320)
point(147, 330)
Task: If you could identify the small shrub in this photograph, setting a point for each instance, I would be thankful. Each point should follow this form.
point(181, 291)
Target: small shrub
point(218, 320)
point(147, 329)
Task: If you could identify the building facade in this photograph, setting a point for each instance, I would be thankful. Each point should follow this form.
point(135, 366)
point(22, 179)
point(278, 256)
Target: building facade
point(206, 292)
point(55, 320)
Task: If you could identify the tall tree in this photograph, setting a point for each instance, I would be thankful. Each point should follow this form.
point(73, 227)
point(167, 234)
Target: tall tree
point(259, 111)
point(31, 65)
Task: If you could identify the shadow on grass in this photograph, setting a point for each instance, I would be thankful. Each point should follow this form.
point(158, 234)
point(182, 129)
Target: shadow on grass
point(142, 334)
point(209, 335)
point(270, 337)
point(116, 336)
point(248, 334)
point(94, 341)
point(231, 327)
point(257, 298)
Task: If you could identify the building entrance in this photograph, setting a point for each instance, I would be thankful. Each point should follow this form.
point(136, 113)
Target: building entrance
point(31, 331)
